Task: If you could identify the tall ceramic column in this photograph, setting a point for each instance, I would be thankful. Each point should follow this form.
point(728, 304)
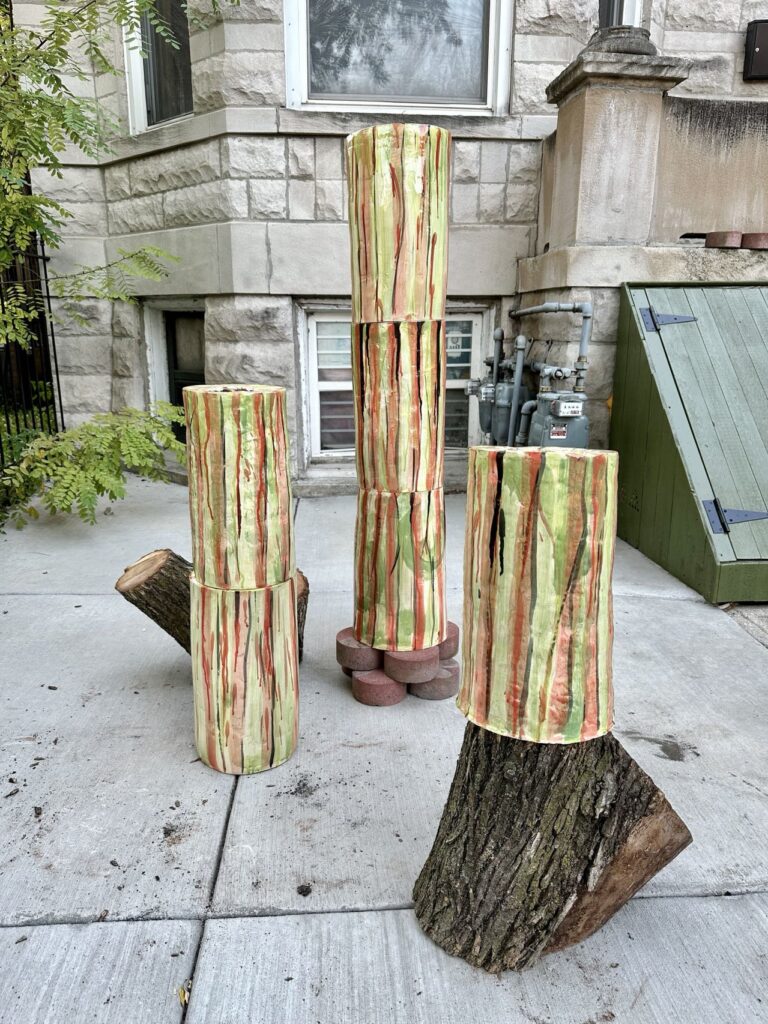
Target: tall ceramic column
point(398, 215)
point(243, 592)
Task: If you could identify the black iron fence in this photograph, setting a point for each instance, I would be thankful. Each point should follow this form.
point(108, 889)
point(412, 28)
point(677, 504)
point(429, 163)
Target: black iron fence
point(30, 395)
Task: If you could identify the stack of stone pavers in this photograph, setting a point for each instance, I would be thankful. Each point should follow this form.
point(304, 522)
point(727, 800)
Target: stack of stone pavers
point(398, 214)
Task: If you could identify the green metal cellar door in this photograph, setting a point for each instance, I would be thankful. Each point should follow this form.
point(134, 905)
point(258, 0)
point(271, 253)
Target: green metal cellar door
point(690, 421)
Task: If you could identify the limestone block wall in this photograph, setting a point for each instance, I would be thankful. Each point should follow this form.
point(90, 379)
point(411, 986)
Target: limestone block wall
point(711, 160)
point(250, 195)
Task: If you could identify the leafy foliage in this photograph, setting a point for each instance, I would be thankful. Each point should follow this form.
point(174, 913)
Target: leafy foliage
point(41, 114)
point(71, 470)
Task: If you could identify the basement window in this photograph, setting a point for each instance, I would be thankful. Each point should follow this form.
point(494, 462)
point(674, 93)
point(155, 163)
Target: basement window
point(329, 400)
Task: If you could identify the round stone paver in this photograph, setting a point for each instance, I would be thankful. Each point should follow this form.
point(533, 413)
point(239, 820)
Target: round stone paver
point(444, 685)
point(376, 689)
point(412, 666)
point(354, 655)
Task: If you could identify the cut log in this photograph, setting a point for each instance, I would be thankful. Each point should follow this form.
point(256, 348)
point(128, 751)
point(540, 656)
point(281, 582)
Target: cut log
point(538, 846)
point(158, 585)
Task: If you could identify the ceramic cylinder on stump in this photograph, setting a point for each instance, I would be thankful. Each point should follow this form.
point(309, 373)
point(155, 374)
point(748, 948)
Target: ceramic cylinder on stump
point(243, 589)
point(538, 611)
point(398, 214)
point(549, 826)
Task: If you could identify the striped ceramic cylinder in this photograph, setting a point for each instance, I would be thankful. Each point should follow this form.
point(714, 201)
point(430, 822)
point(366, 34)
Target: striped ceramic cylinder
point(398, 218)
point(245, 676)
point(398, 221)
point(398, 373)
point(400, 569)
point(538, 613)
point(243, 589)
point(239, 485)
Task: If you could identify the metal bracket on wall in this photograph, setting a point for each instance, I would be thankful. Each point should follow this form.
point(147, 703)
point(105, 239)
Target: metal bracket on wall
point(654, 321)
point(722, 519)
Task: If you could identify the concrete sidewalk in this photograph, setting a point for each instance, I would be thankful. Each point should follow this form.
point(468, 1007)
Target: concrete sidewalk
point(127, 867)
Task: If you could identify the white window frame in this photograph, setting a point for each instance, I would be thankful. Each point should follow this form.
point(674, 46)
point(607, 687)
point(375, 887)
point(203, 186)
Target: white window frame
point(500, 23)
point(312, 387)
point(156, 343)
point(136, 88)
point(631, 14)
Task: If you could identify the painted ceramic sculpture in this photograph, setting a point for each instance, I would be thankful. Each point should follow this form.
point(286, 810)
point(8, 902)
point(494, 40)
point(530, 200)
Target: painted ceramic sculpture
point(398, 212)
point(538, 613)
point(243, 592)
point(549, 826)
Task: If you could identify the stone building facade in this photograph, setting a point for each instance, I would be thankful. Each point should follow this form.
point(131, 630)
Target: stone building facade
point(560, 191)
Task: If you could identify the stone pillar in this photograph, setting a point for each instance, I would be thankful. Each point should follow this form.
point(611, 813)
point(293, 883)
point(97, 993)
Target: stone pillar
point(604, 162)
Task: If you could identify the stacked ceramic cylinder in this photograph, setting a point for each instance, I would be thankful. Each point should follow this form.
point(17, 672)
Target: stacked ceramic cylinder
point(243, 588)
point(398, 214)
point(538, 612)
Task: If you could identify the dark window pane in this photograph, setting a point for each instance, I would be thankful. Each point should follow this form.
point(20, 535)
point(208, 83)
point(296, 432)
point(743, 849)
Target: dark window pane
point(611, 13)
point(431, 50)
point(167, 68)
point(456, 418)
point(337, 420)
point(458, 340)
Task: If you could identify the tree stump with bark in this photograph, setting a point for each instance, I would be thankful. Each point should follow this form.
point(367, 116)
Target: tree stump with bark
point(158, 585)
point(550, 826)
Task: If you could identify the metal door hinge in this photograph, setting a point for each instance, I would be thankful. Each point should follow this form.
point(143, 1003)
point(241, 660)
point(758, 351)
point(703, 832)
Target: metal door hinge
point(653, 320)
point(722, 519)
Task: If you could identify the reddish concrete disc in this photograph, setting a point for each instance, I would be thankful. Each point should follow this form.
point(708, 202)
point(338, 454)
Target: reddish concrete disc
point(444, 685)
point(346, 671)
point(354, 655)
point(377, 689)
point(412, 666)
point(722, 240)
point(754, 240)
point(450, 646)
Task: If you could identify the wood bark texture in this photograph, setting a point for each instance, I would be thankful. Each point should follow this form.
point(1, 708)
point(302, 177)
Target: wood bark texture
point(538, 614)
point(239, 485)
point(400, 570)
point(398, 373)
point(398, 216)
point(158, 585)
point(245, 676)
point(538, 846)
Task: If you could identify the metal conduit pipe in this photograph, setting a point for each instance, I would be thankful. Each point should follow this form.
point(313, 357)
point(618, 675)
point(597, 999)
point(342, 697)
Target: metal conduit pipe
point(586, 310)
point(498, 348)
point(525, 421)
point(521, 343)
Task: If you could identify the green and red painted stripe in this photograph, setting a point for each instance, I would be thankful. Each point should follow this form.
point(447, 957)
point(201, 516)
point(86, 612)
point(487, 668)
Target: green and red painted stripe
point(400, 569)
point(398, 373)
point(245, 676)
point(239, 485)
point(538, 613)
point(398, 217)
